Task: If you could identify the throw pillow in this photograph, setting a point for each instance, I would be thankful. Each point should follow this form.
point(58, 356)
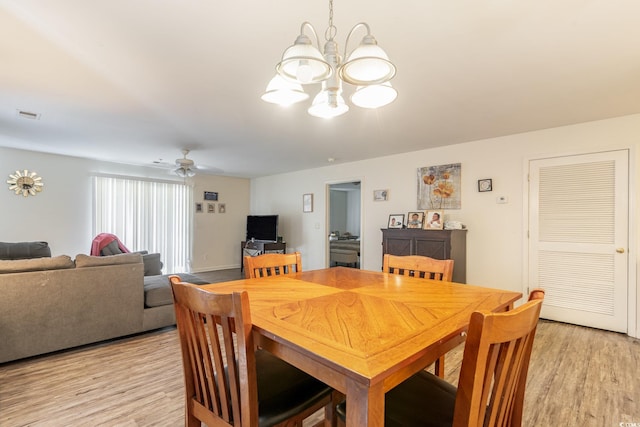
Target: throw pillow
point(152, 264)
point(111, 249)
point(24, 250)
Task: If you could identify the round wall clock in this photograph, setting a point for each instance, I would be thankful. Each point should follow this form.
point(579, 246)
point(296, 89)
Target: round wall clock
point(25, 183)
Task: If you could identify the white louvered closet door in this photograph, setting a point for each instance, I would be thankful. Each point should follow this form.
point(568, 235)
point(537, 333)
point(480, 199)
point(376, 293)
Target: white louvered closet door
point(578, 237)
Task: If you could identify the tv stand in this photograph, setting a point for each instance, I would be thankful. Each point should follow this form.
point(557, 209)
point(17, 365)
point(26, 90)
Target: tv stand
point(269, 247)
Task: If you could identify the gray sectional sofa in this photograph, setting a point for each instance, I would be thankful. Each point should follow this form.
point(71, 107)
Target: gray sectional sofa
point(55, 303)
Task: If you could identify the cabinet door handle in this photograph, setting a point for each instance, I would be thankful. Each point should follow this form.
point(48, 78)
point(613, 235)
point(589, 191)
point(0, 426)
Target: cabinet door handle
point(620, 250)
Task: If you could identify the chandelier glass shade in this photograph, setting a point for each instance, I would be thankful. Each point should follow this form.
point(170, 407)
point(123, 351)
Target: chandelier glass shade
point(367, 67)
point(328, 103)
point(374, 96)
point(284, 92)
point(367, 64)
point(303, 63)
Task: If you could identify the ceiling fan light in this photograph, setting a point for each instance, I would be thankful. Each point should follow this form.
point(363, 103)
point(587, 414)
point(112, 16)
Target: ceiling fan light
point(374, 96)
point(184, 166)
point(328, 104)
point(183, 172)
point(367, 64)
point(283, 92)
point(303, 63)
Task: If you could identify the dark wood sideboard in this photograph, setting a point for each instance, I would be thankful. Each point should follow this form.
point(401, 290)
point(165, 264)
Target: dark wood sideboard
point(439, 244)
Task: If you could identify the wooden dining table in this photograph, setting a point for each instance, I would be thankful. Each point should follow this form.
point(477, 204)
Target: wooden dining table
point(362, 332)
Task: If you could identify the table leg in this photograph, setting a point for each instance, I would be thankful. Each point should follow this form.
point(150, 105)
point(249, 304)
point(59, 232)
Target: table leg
point(365, 405)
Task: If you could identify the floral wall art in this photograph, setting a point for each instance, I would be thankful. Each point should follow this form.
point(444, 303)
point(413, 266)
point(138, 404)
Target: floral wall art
point(439, 187)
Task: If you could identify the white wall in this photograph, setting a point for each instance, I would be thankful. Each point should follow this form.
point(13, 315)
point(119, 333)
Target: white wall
point(61, 213)
point(496, 232)
point(338, 207)
point(217, 236)
point(57, 214)
point(353, 212)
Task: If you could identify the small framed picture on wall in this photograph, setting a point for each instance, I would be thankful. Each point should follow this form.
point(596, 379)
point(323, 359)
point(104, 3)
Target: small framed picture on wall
point(211, 195)
point(380, 195)
point(307, 202)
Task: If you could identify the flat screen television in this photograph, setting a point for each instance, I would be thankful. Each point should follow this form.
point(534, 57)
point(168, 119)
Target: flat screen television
point(262, 227)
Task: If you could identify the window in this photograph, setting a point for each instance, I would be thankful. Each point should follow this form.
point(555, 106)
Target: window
point(146, 215)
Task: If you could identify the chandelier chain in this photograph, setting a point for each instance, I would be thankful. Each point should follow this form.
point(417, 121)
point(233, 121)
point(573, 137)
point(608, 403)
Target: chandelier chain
point(331, 31)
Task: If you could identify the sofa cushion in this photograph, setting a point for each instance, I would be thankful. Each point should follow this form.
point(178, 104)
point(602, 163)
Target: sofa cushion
point(343, 256)
point(152, 264)
point(24, 250)
point(95, 261)
point(36, 264)
point(157, 289)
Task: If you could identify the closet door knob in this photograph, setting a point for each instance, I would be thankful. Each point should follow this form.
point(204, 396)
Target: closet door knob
point(620, 250)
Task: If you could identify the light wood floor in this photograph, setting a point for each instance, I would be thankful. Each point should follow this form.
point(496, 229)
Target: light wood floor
point(578, 377)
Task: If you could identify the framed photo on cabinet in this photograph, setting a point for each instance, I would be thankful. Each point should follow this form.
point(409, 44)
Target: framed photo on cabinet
point(396, 221)
point(415, 219)
point(434, 221)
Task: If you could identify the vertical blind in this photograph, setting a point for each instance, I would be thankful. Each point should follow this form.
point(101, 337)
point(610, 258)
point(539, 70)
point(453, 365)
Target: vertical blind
point(146, 215)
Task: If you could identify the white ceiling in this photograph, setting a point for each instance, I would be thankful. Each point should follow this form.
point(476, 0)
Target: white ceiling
point(135, 81)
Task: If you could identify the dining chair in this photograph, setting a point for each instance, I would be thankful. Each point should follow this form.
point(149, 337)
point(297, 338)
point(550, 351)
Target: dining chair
point(418, 266)
point(423, 267)
point(272, 264)
point(492, 380)
point(227, 380)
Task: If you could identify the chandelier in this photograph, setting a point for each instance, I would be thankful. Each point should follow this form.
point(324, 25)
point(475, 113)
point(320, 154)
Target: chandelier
point(367, 67)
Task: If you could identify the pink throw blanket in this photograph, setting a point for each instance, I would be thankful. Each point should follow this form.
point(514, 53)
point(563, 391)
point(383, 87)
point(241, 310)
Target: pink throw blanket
point(102, 240)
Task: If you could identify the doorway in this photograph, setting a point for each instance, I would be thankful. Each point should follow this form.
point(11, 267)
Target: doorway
point(579, 237)
point(344, 222)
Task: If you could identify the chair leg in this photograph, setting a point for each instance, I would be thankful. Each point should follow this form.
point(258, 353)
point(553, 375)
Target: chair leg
point(439, 367)
point(191, 421)
point(330, 415)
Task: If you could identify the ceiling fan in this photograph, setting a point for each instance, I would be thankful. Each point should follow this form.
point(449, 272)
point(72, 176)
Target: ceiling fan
point(185, 168)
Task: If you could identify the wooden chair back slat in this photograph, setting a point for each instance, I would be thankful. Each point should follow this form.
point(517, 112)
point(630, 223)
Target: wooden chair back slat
point(419, 266)
point(272, 265)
